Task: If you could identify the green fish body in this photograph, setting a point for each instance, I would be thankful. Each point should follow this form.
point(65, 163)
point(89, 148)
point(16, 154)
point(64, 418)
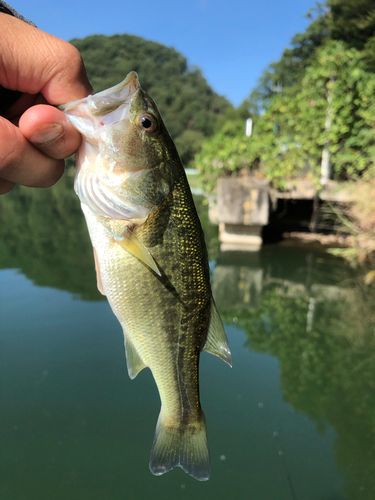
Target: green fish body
point(151, 260)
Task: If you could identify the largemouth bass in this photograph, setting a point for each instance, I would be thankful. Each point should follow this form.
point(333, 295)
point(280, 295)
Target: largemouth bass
point(151, 260)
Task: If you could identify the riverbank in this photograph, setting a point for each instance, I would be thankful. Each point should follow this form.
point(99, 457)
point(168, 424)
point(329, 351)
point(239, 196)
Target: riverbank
point(329, 240)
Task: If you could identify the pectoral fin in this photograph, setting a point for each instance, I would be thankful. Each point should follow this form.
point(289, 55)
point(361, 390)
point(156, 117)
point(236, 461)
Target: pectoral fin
point(217, 342)
point(133, 360)
point(98, 275)
point(132, 245)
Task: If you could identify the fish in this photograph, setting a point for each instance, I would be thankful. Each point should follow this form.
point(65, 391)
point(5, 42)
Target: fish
point(151, 260)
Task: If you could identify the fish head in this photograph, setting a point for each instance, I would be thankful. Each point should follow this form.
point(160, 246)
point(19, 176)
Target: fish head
point(125, 149)
point(123, 125)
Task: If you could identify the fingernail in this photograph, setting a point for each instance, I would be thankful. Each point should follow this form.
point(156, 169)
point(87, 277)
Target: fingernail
point(46, 134)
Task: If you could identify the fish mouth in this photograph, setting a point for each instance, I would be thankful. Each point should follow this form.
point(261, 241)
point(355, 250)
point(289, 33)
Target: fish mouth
point(109, 100)
point(110, 106)
point(101, 100)
point(96, 186)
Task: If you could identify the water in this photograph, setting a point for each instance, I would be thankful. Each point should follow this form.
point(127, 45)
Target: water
point(294, 418)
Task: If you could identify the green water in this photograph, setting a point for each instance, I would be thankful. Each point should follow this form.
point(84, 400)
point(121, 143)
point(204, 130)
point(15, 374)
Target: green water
point(294, 418)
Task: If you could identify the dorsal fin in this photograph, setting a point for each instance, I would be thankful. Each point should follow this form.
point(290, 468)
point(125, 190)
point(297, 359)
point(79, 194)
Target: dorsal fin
point(133, 360)
point(217, 342)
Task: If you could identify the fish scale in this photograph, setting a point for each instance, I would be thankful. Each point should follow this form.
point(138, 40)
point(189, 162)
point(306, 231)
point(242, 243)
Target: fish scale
point(154, 269)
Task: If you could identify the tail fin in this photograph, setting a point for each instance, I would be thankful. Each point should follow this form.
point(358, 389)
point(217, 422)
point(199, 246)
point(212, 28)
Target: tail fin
point(185, 446)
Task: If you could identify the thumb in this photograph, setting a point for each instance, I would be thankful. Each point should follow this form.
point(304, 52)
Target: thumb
point(49, 130)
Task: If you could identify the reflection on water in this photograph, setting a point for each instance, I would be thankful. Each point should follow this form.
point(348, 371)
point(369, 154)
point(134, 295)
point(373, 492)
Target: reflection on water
point(294, 419)
point(43, 233)
point(313, 315)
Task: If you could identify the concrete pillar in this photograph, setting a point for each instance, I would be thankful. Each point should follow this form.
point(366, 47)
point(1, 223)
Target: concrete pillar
point(242, 209)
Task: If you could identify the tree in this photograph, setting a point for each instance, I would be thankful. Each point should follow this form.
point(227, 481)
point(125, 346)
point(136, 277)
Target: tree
point(352, 21)
point(291, 67)
point(318, 100)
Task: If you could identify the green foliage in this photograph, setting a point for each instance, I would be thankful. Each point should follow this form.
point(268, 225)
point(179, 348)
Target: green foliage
point(368, 54)
point(357, 219)
point(291, 67)
point(292, 132)
point(189, 106)
point(188, 143)
point(352, 21)
point(321, 94)
point(223, 154)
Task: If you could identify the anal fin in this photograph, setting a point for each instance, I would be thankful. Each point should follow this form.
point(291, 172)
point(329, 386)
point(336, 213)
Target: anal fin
point(133, 360)
point(217, 342)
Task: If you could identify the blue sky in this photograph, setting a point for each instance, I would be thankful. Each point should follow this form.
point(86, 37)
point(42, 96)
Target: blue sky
point(232, 41)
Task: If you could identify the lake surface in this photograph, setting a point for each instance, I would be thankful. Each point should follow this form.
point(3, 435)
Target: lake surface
point(293, 419)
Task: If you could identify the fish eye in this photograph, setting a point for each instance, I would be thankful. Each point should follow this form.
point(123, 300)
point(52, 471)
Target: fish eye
point(148, 123)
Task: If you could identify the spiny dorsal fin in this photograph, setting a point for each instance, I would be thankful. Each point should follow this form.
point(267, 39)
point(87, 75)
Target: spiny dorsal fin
point(133, 360)
point(217, 342)
point(132, 245)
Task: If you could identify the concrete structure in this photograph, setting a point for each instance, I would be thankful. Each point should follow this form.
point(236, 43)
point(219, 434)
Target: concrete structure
point(243, 206)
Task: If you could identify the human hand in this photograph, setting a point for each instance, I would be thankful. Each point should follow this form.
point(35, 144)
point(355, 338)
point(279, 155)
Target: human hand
point(35, 137)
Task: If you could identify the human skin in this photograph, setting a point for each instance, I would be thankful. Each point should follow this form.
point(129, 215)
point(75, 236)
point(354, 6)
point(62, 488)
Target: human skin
point(35, 137)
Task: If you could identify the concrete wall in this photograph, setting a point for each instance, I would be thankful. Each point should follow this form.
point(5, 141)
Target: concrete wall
point(242, 209)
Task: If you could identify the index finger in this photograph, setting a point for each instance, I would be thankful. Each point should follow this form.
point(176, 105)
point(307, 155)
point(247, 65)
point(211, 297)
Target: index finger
point(33, 61)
